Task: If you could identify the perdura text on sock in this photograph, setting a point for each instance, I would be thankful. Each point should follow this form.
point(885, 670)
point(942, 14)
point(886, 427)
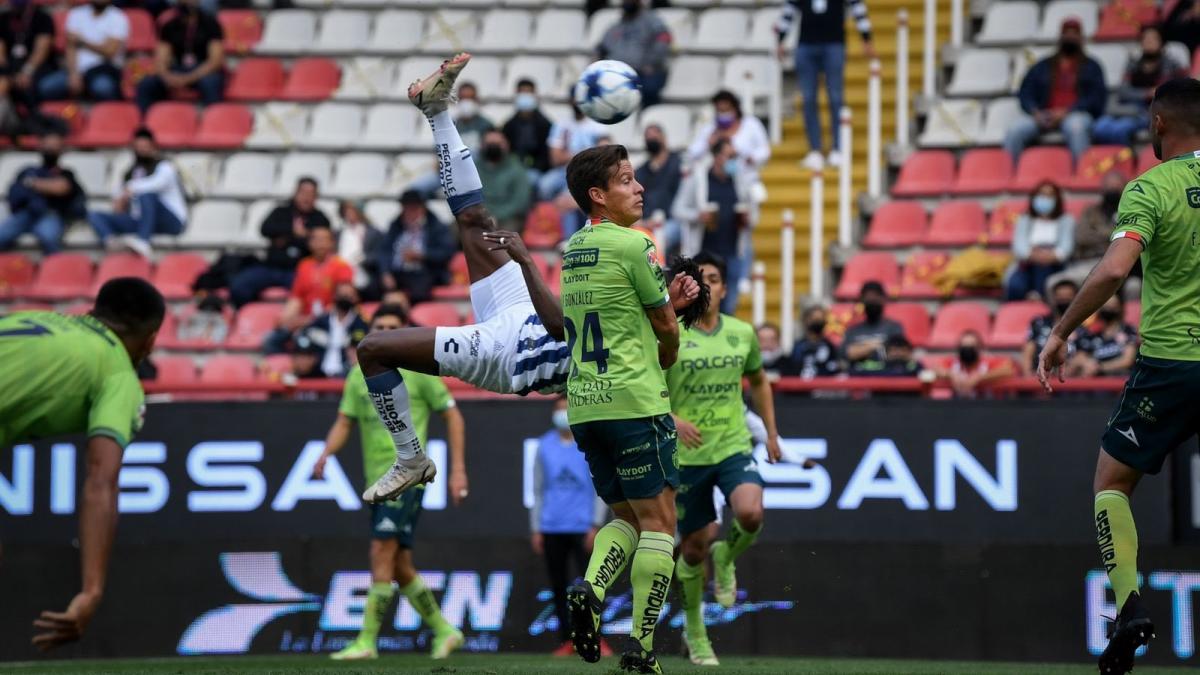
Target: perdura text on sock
point(654, 604)
point(1105, 541)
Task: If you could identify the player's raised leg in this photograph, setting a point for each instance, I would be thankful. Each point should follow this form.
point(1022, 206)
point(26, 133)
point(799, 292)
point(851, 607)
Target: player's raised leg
point(746, 502)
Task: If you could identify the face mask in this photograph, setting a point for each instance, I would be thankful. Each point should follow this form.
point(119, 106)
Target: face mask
point(1109, 315)
point(560, 420)
point(772, 355)
point(726, 120)
point(467, 108)
point(50, 159)
point(1043, 205)
point(493, 153)
point(1110, 201)
point(98, 7)
point(144, 159)
point(968, 355)
point(1069, 47)
point(817, 327)
point(731, 166)
point(344, 304)
point(654, 146)
point(1061, 307)
point(873, 310)
point(525, 102)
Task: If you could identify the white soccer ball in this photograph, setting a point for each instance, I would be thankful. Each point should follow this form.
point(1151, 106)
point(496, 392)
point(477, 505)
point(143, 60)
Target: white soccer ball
point(608, 91)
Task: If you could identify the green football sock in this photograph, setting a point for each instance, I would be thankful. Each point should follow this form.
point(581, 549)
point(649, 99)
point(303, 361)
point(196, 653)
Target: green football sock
point(691, 591)
point(379, 599)
point(422, 600)
point(614, 545)
point(739, 539)
point(651, 574)
point(1116, 535)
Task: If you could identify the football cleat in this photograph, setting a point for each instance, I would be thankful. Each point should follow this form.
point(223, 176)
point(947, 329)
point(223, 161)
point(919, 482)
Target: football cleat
point(1132, 630)
point(700, 651)
point(359, 650)
point(584, 609)
point(638, 660)
point(446, 642)
point(724, 575)
point(404, 474)
point(433, 94)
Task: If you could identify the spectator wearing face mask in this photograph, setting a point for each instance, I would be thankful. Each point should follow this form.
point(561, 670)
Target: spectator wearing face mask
point(1093, 230)
point(775, 361)
point(814, 355)
point(897, 360)
point(149, 201)
point(866, 340)
point(972, 369)
point(1043, 241)
point(642, 40)
point(1061, 295)
point(469, 118)
point(660, 177)
point(1142, 76)
point(527, 132)
point(1106, 347)
point(313, 289)
point(505, 184)
point(338, 331)
point(42, 199)
point(746, 134)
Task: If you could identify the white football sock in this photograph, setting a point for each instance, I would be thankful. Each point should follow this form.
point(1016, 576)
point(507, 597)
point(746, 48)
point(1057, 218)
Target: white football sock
point(456, 169)
point(389, 395)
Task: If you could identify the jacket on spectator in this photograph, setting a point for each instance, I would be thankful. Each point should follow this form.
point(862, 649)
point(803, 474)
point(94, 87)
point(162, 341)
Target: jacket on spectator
point(641, 41)
point(1035, 88)
point(21, 197)
point(527, 139)
point(505, 187)
point(161, 180)
point(439, 247)
point(661, 185)
point(286, 249)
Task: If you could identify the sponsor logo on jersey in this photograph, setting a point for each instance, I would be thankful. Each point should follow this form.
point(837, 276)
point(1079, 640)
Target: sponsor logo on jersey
point(449, 345)
point(473, 343)
point(584, 257)
point(634, 472)
point(1193, 197)
point(386, 525)
point(733, 340)
point(713, 363)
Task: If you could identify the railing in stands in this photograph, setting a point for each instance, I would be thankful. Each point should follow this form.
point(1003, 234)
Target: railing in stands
point(775, 96)
point(875, 131)
point(787, 271)
point(845, 190)
point(902, 78)
point(956, 23)
point(928, 76)
point(816, 234)
point(758, 293)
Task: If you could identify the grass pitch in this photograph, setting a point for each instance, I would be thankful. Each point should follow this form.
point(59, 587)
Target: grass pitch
point(532, 664)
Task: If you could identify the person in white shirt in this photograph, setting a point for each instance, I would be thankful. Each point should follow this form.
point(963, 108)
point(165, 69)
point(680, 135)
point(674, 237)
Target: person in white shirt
point(149, 201)
point(95, 53)
point(747, 135)
point(358, 244)
point(567, 137)
point(1043, 240)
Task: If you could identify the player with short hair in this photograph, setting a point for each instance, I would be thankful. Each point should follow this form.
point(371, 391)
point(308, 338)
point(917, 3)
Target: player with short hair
point(77, 374)
point(393, 523)
point(623, 334)
point(1158, 221)
point(706, 401)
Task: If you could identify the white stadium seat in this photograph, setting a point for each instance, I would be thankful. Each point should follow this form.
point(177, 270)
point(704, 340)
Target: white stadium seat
point(559, 30)
point(1001, 113)
point(411, 166)
point(1022, 60)
point(90, 169)
point(953, 123)
point(381, 212)
point(288, 31)
point(680, 22)
point(412, 69)
point(625, 133)
point(599, 23)
point(214, 223)
point(389, 126)
point(753, 71)
point(278, 125)
point(569, 70)
point(248, 174)
point(543, 70)
point(1112, 58)
point(397, 31)
point(118, 165)
point(692, 78)
point(487, 74)
point(343, 32)
point(296, 165)
point(1057, 11)
point(504, 30)
point(199, 172)
point(980, 72)
point(720, 30)
point(334, 126)
point(1180, 52)
point(12, 162)
point(1009, 22)
point(675, 120)
point(366, 78)
point(762, 29)
point(80, 234)
point(256, 213)
point(360, 174)
point(448, 31)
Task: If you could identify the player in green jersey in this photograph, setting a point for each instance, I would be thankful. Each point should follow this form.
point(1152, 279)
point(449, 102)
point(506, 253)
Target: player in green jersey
point(622, 334)
point(71, 375)
point(1158, 220)
point(393, 523)
point(706, 402)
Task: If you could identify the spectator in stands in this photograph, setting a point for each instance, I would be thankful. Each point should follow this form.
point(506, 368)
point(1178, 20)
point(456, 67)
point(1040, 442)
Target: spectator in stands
point(1182, 24)
point(95, 54)
point(286, 230)
point(42, 199)
point(897, 360)
point(814, 355)
point(27, 56)
point(641, 39)
point(527, 131)
point(505, 183)
point(306, 352)
point(338, 331)
point(469, 119)
point(313, 289)
point(568, 137)
point(776, 362)
point(1063, 92)
point(972, 368)
point(747, 135)
point(821, 50)
point(1061, 295)
point(416, 251)
point(1043, 240)
point(359, 243)
point(1106, 347)
point(1142, 76)
point(190, 55)
point(149, 201)
point(866, 340)
point(660, 177)
point(1092, 232)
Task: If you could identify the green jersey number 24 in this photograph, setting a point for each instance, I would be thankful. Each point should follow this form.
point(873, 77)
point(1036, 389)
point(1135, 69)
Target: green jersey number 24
point(592, 349)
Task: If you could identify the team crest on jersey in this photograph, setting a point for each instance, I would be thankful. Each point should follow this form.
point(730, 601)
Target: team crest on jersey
point(733, 340)
point(1193, 197)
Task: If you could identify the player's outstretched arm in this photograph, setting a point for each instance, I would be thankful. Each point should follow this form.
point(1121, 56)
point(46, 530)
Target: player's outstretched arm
point(335, 440)
point(544, 301)
point(97, 527)
point(456, 437)
point(764, 404)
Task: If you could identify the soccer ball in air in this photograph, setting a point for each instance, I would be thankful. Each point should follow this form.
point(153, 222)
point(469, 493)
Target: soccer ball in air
point(608, 91)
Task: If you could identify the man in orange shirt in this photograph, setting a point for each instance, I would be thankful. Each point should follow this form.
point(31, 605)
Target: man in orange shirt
point(312, 291)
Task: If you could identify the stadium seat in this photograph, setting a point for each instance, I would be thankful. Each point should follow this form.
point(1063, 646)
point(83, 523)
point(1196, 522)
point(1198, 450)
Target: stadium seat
point(77, 308)
point(1122, 19)
point(749, 72)
point(980, 72)
point(275, 367)
point(198, 171)
point(29, 307)
point(841, 316)
point(175, 369)
point(1112, 59)
point(288, 31)
point(1011, 328)
point(1023, 59)
point(110, 124)
point(1003, 219)
point(229, 369)
point(926, 173)
point(243, 29)
point(216, 223)
point(137, 68)
point(762, 28)
point(252, 324)
point(864, 267)
point(388, 126)
point(916, 281)
point(913, 317)
point(1098, 161)
point(675, 121)
point(256, 79)
point(359, 175)
point(311, 79)
point(506, 31)
point(397, 31)
point(720, 30)
point(1057, 11)
point(452, 30)
point(248, 175)
point(897, 224)
point(434, 314)
point(334, 126)
point(487, 74)
point(543, 226)
point(173, 123)
point(691, 78)
point(224, 126)
point(62, 276)
point(366, 78)
point(956, 318)
point(460, 280)
point(1000, 116)
point(91, 171)
point(983, 171)
point(342, 32)
point(558, 30)
point(598, 24)
point(952, 123)
point(278, 125)
point(295, 165)
point(542, 70)
point(143, 36)
point(115, 265)
point(71, 112)
point(956, 224)
point(1011, 22)
point(381, 212)
point(411, 166)
point(11, 163)
point(1041, 164)
point(17, 273)
point(176, 272)
point(1146, 160)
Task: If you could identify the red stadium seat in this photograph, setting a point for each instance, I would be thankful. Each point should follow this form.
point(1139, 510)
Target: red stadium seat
point(110, 125)
point(841, 316)
point(956, 318)
point(983, 171)
point(275, 367)
point(1075, 207)
point(256, 79)
point(121, 265)
point(460, 280)
point(1041, 164)
point(62, 276)
point(1133, 313)
point(252, 324)
point(230, 369)
point(434, 314)
point(177, 272)
point(367, 310)
point(897, 224)
point(311, 79)
point(170, 337)
point(927, 173)
point(913, 317)
point(543, 226)
point(1098, 161)
point(138, 67)
point(17, 273)
point(70, 112)
point(1146, 159)
point(143, 36)
point(243, 29)
point(224, 126)
point(916, 281)
point(173, 123)
point(175, 369)
point(1121, 20)
point(1004, 219)
point(864, 267)
point(957, 223)
point(1012, 323)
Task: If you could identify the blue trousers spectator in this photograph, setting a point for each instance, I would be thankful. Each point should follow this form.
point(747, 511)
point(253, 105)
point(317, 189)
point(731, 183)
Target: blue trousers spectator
point(813, 59)
point(1113, 130)
point(552, 183)
point(1076, 128)
point(153, 218)
point(101, 83)
point(45, 224)
point(153, 89)
point(652, 86)
point(248, 284)
point(1027, 278)
point(276, 342)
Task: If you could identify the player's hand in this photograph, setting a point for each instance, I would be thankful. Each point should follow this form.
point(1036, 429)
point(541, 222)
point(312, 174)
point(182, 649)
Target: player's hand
point(1051, 361)
point(504, 240)
point(538, 543)
point(666, 357)
point(683, 291)
point(319, 468)
point(774, 453)
point(458, 487)
point(690, 436)
point(59, 628)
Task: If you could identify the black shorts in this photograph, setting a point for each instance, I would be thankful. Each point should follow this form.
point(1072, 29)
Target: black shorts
point(630, 459)
point(398, 519)
point(1158, 411)
point(694, 502)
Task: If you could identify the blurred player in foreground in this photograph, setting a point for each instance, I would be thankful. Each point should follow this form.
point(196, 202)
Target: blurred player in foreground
point(71, 375)
point(1158, 220)
point(393, 524)
point(706, 402)
point(516, 345)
